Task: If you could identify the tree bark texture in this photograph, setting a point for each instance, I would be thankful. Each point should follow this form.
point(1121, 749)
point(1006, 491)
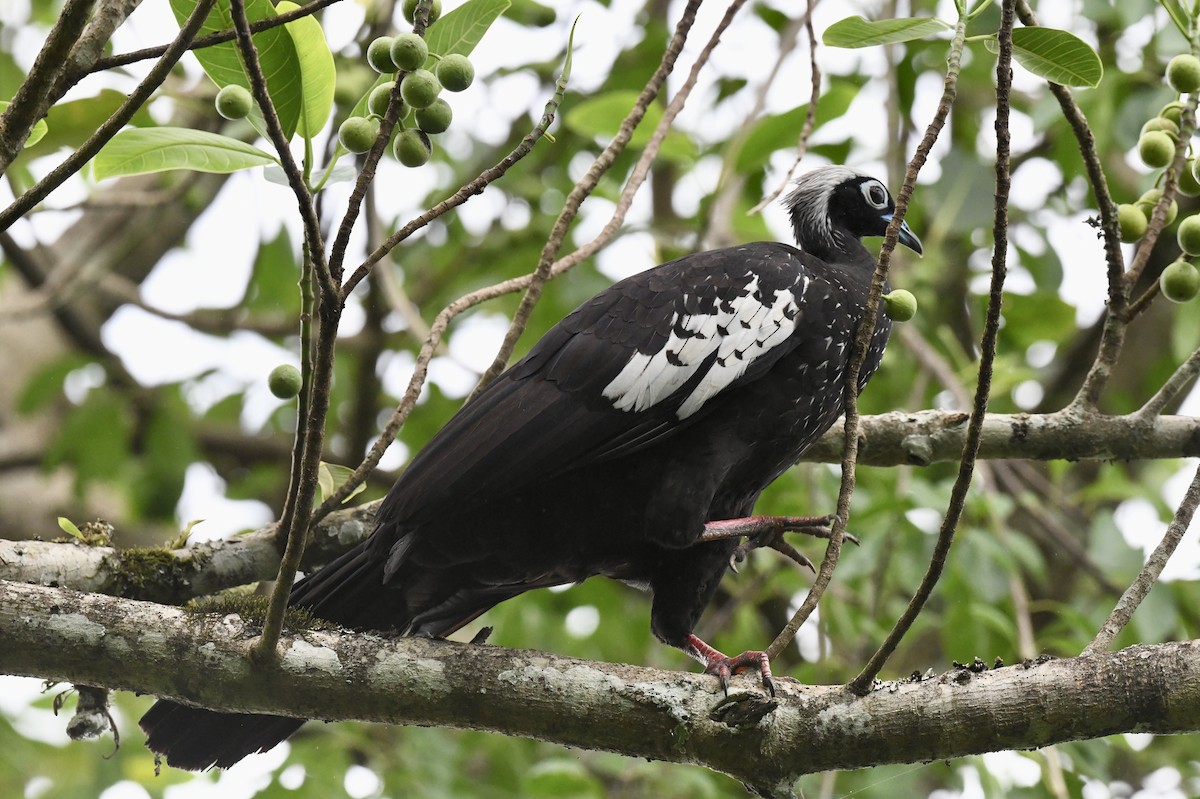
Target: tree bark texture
point(766, 742)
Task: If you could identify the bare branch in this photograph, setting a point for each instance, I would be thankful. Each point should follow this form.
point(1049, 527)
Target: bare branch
point(647, 713)
point(1150, 572)
point(33, 98)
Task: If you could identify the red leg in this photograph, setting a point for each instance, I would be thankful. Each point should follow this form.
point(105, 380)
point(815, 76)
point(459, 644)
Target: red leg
point(723, 666)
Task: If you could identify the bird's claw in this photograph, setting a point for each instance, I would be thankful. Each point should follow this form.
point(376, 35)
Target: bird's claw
point(723, 667)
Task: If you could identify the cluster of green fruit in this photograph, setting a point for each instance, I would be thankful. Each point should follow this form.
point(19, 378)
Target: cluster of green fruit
point(1180, 281)
point(407, 54)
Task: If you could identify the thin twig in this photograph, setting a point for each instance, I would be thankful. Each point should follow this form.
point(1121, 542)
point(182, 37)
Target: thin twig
point(435, 331)
point(1171, 389)
point(74, 162)
point(862, 339)
point(584, 187)
point(220, 37)
point(304, 201)
point(1150, 572)
point(366, 173)
point(962, 484)
point(464, 193)
point(810, 118)
point(32, 99)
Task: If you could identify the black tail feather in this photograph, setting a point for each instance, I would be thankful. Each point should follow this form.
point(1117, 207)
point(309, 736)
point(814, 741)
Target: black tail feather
point(196, 739)
point(350, 592)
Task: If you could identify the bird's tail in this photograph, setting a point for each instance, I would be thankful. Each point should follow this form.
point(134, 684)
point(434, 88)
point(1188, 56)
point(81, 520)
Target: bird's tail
point(349, 591)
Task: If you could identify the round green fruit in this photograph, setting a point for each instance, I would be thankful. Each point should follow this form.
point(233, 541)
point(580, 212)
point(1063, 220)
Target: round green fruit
point(1132, 221)
point(1161, 123)
point(379, 55)
point(412, 148)
point(234, 102)
point(1183, 73)
point(410, 9)
point(377, 101)
point(900, 305)
point(1156, 149)
point(1149, 200)
point(409, 52)
point(1188, 185)
point(1172, 111)
point(420, 88)
point(455, 72)
point(284, 381)
point(436, 118)
point(358, 134)
point(1180, 281)
point(1189, 235)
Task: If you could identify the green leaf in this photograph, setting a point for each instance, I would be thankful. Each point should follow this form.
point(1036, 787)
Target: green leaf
point(276, 54)
point(782, 131)
point(68, 527)
point(461, 29)
point(1175, 11)
point(333, 476)
point(38, 130)
point(73, 122)
point(144, 150)
point(861, 32)
point(601, 117)
point(1058, 56)
point(317, 73)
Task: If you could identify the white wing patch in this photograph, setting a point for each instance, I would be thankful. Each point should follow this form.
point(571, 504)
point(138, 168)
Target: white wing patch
point(738, 336)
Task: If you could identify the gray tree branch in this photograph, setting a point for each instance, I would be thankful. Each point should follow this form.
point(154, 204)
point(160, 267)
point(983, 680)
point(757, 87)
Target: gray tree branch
point(768, 743)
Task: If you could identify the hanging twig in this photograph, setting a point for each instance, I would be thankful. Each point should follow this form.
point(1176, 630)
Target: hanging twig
point(862, 339)
point(1150, 572)
point(584, 187)
point(810, 118)
point(962, 484)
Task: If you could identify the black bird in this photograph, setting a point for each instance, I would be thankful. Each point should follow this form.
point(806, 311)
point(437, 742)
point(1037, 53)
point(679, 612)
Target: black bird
point(667, 401)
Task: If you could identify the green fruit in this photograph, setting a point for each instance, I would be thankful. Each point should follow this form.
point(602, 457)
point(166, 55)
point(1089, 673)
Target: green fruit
point(358, 134)
point(1183, 73)
point(1180, 281)
point(409, 52)
point(1163, 124)
point(1189, 235)
point(1156, 149)
point(377, 102)
point(436, 118)
point(412, 148)
point(410, 8)
point(420, 88)
point(1132, 221)
point(455, 72)
point(1188, 185)
point(284, 381)
point(379, 55)
point(1172, 111)
point(900, 305)
point(1149, 200)
point(234, 102)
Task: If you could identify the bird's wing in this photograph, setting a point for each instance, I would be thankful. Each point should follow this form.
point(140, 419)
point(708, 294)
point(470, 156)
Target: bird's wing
point(637, 363)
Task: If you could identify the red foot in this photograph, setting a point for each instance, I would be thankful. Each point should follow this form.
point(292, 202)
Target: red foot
point(723, 667)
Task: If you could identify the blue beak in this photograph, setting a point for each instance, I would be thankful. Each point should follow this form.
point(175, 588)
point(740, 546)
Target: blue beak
point(907, 237)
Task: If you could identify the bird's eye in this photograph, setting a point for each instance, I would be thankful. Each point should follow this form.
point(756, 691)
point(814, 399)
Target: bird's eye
point(875, 194)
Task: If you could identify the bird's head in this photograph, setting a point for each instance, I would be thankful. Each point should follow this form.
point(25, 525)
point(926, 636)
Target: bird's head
point(834, 206)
